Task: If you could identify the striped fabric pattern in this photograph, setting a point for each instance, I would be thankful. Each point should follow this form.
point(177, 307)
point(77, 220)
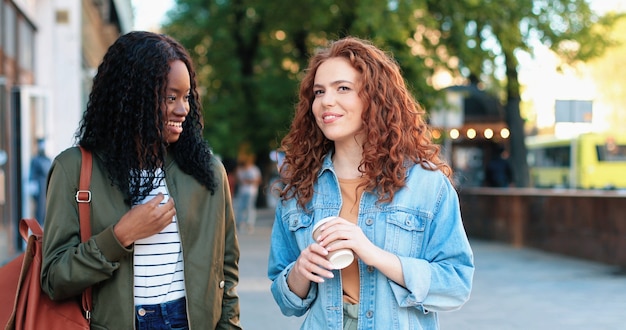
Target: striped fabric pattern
point(159, 260)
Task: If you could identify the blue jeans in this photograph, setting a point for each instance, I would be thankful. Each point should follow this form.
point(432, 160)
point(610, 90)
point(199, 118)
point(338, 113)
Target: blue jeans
point(245, 208)
point(166, 316)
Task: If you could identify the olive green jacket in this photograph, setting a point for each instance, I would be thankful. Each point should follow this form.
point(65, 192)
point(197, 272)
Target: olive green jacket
point(207, 233)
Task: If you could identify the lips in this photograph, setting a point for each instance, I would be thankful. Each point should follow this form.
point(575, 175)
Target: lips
point(330, 117)
point(174, 129)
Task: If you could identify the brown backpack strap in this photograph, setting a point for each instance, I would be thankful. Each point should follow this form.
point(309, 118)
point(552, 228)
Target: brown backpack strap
point(83, 198)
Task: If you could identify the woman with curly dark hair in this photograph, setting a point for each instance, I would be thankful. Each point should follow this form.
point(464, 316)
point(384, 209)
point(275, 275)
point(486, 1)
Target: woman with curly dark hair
point(360, 153)
point(150, 262)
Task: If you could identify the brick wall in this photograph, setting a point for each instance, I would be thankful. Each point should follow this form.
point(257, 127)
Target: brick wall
point(578, 223)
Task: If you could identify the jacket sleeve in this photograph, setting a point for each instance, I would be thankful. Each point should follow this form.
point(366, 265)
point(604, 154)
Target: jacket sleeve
point(283, 254)
point(69, 266)
point(441, 279)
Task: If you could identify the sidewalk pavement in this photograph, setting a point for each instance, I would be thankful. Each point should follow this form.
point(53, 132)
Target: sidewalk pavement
point(514, 288)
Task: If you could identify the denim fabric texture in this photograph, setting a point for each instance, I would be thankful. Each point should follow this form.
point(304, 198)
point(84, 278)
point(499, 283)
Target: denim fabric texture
point(422, 226)
point(166, 316)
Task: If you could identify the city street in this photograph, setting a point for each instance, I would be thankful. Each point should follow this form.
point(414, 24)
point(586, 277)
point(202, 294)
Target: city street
point(513, 289)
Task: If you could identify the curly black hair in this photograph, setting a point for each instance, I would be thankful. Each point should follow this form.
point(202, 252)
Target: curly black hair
point(124, 123)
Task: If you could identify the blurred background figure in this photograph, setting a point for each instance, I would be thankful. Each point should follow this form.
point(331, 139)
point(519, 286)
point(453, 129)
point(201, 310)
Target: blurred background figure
point(39, 167)
point(248, 181)
point(499, 172)
point(273, 187)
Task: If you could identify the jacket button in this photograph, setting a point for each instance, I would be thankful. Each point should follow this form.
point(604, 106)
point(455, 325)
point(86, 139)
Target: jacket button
point(369, 314)
point(369, 221)
point(221, 284)
point(141, 312)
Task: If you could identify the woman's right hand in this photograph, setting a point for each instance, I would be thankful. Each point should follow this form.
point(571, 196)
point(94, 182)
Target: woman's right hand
point(144, 220)
point(311, 266)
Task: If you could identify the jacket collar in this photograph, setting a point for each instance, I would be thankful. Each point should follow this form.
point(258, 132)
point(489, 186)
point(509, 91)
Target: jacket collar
point(327, 163)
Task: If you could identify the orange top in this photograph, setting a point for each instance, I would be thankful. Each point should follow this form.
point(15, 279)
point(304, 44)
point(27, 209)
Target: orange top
point(351, 197)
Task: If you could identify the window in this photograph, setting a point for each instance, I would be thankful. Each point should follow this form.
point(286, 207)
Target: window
point(611, 152)
point(2, 5)
point(550, 157)
point(26, 46)
point(8, 30)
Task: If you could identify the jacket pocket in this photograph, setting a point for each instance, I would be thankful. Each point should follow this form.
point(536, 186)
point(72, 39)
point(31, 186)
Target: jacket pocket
point(405, 234)
point(300, 226)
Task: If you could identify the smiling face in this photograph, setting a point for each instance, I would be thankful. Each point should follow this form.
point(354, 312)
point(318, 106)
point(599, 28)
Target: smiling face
point(337, 106)
point(176, 100)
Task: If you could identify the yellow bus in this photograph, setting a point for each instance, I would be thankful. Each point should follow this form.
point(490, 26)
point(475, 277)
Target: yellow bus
point(587, 161)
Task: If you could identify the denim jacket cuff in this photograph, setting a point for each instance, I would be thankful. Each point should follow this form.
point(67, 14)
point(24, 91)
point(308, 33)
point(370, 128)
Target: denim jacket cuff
point(291, 299)
point(417, 276)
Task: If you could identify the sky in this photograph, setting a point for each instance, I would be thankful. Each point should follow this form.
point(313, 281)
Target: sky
point(150, 13)
point(604, 5)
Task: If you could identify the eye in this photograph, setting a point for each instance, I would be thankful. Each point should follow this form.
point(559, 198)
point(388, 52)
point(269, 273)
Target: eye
point(170, 98)
point(318, 92)
point(344, 88)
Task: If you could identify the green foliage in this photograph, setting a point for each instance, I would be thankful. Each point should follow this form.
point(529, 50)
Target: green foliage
point(249, 56)
point(486, 35)
point(250, 53)
point(483, 32)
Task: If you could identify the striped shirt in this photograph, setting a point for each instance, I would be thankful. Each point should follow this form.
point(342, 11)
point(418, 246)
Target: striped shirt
point(158, 260)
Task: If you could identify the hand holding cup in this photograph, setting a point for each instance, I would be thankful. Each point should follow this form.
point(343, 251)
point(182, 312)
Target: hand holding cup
point(339, 258)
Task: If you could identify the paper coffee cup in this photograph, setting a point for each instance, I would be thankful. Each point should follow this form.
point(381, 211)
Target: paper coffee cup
point(316, 232)
point(341, 258)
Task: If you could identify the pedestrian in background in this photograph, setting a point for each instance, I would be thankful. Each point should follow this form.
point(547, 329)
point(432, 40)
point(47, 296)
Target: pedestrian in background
point(39, 167)
point(498, 172)
point(359, 148)
point(248, 181)
point(164, 251)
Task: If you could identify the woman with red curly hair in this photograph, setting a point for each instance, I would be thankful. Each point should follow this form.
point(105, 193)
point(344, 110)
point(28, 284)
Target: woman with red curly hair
point(360, 150)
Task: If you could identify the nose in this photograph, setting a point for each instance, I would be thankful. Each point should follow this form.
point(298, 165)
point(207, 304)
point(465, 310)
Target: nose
point(328, 99)
point(181, 108)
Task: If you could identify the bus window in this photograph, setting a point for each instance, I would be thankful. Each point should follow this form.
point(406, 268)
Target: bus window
point(552, 157)
point(611, 152)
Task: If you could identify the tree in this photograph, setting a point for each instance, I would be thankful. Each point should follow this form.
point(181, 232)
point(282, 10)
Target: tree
point(487, 34)
point(250, 53)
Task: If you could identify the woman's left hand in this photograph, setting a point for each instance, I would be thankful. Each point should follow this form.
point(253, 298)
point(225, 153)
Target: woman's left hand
point(348, 235)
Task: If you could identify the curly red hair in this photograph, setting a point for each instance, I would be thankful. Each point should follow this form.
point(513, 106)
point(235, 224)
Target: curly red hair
point(393, 122)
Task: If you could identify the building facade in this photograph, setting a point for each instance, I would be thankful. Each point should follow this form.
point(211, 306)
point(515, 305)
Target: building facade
point(49, 52)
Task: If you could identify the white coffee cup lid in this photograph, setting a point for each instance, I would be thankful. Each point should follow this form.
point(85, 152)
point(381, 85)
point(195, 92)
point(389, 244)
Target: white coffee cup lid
point(342, 259)
point(323, 221)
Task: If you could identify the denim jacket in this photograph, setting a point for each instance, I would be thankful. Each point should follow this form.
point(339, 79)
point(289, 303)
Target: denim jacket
point(422, 226)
